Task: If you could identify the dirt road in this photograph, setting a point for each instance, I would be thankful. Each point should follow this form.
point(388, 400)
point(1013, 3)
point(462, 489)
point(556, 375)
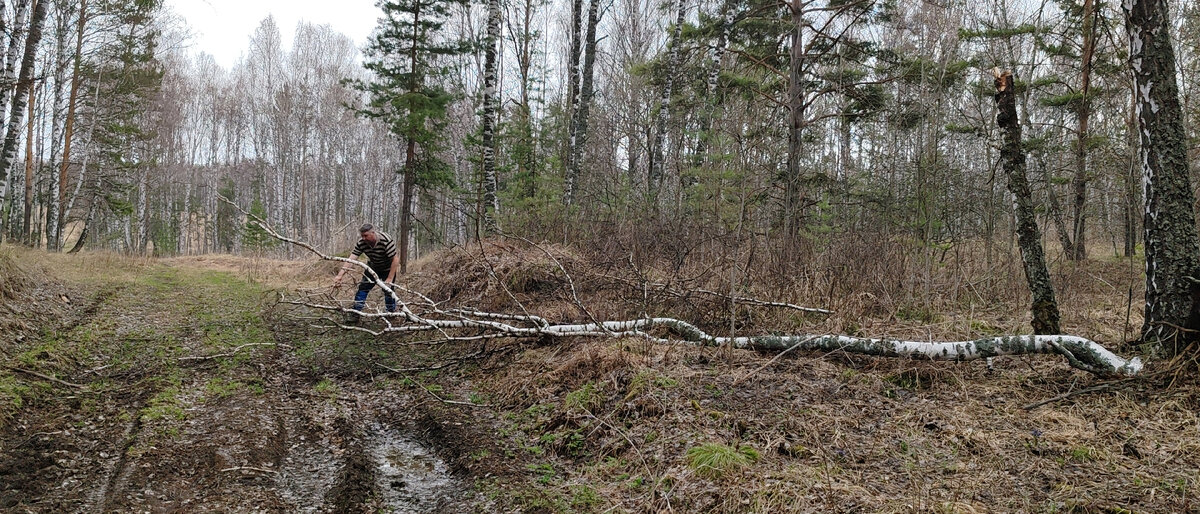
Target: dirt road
point(181, 397)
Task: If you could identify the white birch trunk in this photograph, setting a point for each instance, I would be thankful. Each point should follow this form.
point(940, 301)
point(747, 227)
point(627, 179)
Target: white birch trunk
point(55, 206)
point(491, 204)
point(18, 95)
point(710, 87)
point(142, 213)
point(657, 167)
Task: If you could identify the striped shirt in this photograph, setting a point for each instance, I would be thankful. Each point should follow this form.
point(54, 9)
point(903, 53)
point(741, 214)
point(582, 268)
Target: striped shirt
point(380, 254)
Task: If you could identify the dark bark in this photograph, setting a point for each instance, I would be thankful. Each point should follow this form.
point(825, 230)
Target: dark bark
point(1079, 182)
point(579, 138)
point(29, 170)
point(410, 183)
point(576, 47)
point(793, 194)
point(1054, 208)
point(1172, 250)
point(55, 203)
point(1131, 204)
point(1029, 238)
point(15, 33)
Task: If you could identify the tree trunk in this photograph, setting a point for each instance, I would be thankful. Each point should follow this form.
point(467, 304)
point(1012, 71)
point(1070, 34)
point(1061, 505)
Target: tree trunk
point(84, 164)
point(142, 211)
point(1080, 353)
point(1172, 250)
point(710, 86)
point(655, 175)
point(491, 204)
point(1079, 183)
point(14, 42)
point(29, 137)
point(525, 152)
point(572, 96)
point(69, 131)
point(23, 82)
point(91, 214)
point(410, 182)
point(579, 137)
point(792, 194)
point(1052, 205)
point(58, 187)
point(1012, 156)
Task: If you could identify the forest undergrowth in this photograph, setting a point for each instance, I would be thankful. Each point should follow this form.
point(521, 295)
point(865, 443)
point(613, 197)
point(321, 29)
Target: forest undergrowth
point(132, 362)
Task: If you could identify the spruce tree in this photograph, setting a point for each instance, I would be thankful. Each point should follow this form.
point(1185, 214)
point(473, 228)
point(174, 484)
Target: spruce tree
point(407, 56)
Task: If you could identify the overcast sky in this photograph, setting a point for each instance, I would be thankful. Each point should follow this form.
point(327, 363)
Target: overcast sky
point(222, 28)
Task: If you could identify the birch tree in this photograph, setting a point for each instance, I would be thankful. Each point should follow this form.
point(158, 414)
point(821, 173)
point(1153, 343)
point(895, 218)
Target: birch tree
point(664, 104)
point(491, 203)
point(1172, 248)
point(579, 123)
point(1044, 308)
point(24, 79)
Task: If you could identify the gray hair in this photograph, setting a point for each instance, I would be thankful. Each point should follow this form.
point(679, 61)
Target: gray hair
point(367, 227)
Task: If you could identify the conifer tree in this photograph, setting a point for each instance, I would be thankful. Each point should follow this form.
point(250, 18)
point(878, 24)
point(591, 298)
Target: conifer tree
point(407, 55)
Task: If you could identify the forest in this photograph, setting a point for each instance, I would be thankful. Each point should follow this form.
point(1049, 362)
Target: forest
point(791, 126)
point(578, 188)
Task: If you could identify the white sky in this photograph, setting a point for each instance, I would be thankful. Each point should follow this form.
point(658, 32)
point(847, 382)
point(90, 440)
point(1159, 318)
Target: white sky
point(222, 28)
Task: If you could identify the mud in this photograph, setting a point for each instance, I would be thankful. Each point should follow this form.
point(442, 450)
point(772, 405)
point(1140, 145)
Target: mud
point(249, 433)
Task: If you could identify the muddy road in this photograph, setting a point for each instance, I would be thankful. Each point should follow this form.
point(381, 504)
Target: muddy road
point(160, 388)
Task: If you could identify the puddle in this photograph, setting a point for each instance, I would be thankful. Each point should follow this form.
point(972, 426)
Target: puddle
point(409, 476)
point(308, 473)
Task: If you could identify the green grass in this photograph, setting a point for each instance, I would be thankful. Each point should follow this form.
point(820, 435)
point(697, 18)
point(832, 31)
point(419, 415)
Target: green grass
point(166, 405)
point(583, 497)
point(142, 317)
point(714, 460)
point(219, 388)
point(326, 387)
point(586, 398)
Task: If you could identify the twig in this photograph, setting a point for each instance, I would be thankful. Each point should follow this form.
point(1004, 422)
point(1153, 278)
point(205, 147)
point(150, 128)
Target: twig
point(570, 281)
point(762, 303)
point(46, 377)
point(1095, 388)
point(665, 288)
point(431, 393)
point(231, 353)
point(248, 468)
point(770, 362)
point(432, 368)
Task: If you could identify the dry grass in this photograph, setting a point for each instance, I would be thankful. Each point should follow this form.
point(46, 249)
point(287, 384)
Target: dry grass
point(833, 432)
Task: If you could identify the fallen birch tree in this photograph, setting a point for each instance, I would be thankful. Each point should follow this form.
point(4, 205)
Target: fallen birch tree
point(419, 314)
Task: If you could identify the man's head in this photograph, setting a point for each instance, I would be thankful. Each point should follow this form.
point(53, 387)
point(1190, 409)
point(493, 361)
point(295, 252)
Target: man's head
point(367, 232)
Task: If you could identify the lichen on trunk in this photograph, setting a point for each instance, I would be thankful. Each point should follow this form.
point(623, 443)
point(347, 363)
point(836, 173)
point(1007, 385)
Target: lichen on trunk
point(1029, 238)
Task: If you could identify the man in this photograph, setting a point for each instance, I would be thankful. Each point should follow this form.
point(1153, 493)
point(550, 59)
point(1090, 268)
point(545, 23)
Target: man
point(383, 259)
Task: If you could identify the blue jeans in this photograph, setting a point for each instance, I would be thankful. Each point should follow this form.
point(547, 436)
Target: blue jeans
point(366, 284)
